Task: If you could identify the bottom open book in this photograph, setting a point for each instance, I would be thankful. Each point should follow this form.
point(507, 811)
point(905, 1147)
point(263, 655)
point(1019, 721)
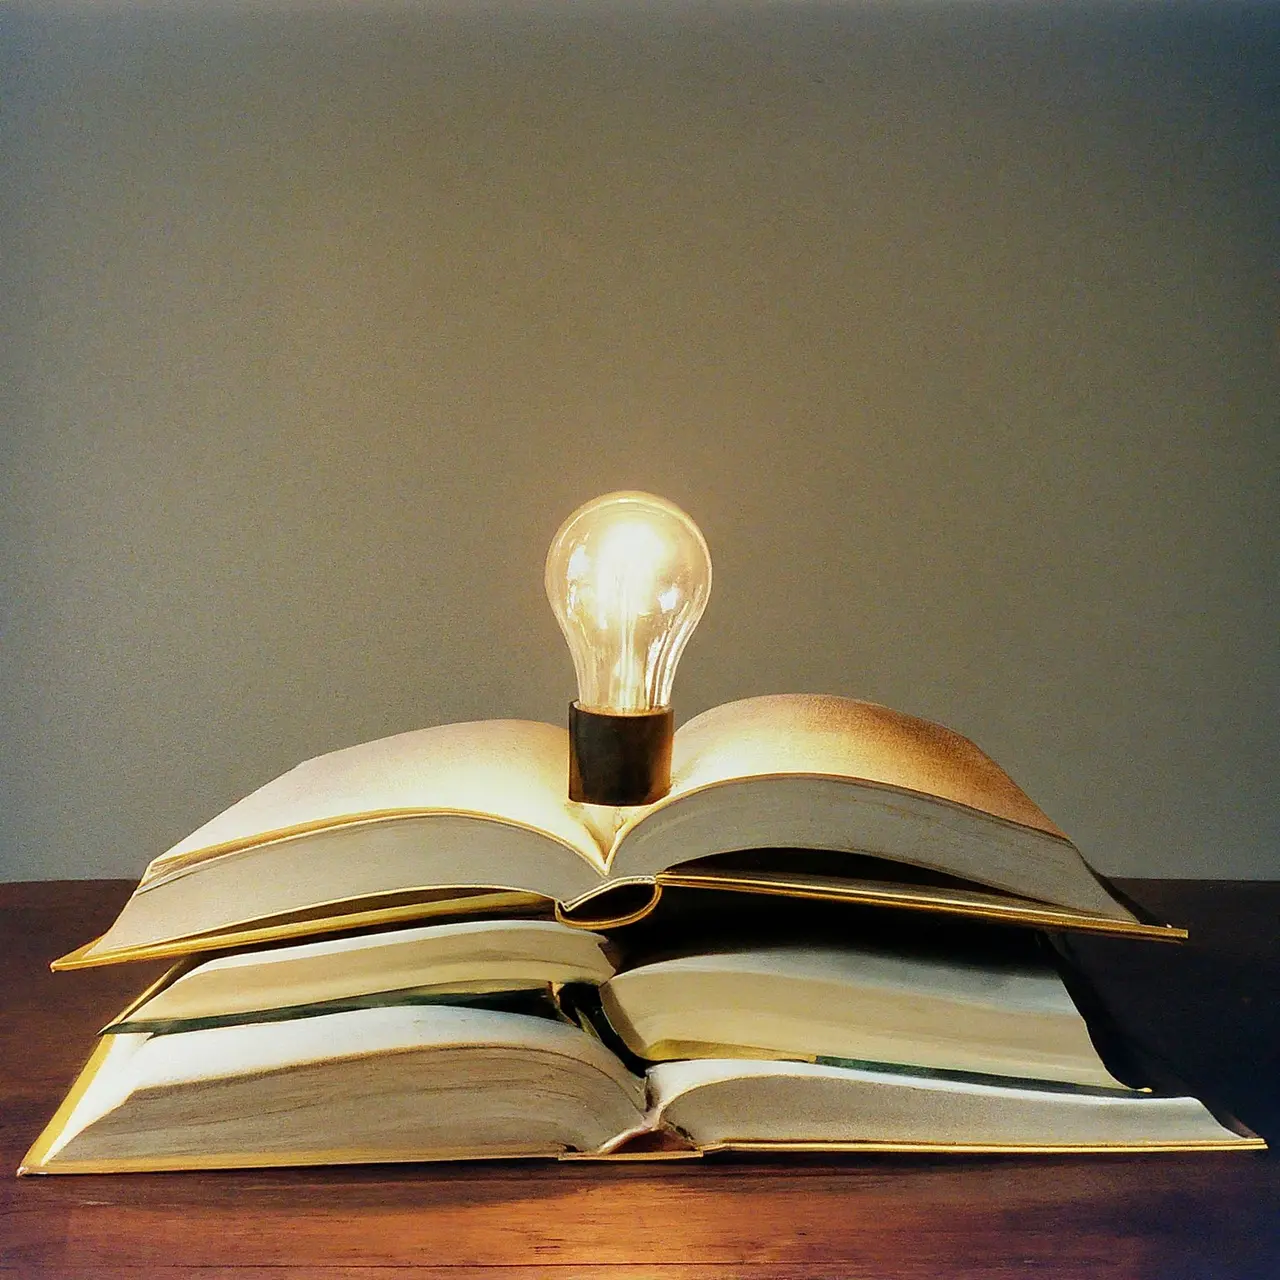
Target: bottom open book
point(526, 1038)
point(422, 1083)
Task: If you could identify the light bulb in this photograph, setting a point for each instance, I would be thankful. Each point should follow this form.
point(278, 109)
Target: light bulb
point(628, 576)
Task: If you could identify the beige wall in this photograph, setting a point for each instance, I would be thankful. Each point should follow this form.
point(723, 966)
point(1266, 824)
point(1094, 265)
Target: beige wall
point(954, 326)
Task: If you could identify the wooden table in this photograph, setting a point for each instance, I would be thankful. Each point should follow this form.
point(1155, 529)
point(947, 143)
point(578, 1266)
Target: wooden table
point(1211, 1005)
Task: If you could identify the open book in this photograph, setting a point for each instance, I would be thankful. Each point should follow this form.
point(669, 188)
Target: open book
point(848, 800)
point(531, 1038)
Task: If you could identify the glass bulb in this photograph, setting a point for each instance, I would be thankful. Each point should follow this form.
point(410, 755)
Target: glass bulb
point(628, 576)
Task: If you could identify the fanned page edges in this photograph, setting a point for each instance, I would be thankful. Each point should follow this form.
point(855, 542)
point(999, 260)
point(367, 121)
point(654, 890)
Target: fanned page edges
point(822, 734)
point(510, 771)
point(256, 1092)
point(850, 815)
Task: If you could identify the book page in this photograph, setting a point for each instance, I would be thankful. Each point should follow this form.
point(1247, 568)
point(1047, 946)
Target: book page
point(896, 1004)
point(842, 737)
point(734, 1103)
point(809, 772)
point(470, 956)
point(510, 770)
point(187, 1057)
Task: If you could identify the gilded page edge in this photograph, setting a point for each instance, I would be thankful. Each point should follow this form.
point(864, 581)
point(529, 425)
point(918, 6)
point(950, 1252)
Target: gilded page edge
point(1040, 917)
point(170, 975)
point(362, 1155)
point(633, 1157)
point(283, 1160)
point(564, 909)
point(33, 1161)
point(871, 1146)
point(499, 900)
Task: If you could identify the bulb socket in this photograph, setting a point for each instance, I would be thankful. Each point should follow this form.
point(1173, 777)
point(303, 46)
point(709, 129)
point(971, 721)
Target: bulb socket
point(619, 759)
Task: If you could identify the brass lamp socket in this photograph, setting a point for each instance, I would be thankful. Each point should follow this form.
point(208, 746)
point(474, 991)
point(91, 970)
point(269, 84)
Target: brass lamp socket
point(619, 758)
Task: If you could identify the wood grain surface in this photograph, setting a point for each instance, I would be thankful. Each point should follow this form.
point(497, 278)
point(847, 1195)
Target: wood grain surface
point(1210, 1006)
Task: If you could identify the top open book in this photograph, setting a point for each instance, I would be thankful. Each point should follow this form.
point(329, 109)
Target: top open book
point(475, 818)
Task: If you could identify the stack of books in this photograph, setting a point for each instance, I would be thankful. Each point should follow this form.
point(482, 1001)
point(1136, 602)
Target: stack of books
point(840, 931)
